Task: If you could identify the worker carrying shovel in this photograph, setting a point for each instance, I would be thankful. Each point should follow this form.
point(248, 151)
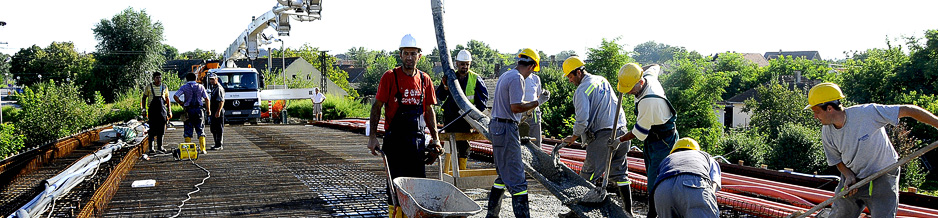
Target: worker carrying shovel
point(596, 115)
point(655, 122)
point(408, 93)
point(855, 141)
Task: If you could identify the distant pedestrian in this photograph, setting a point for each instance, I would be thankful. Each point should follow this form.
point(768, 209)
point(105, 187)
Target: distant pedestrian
point(216, 113)
point(506, 145)
point(856, 143)
point(158, 113)
point(317, 100)
point(688, 180)
point(195, 105)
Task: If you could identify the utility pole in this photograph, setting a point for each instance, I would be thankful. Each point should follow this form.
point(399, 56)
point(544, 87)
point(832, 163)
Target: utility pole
point(322, 71)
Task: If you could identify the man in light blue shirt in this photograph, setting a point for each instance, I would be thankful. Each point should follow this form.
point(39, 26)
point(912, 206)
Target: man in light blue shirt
point(195, 104)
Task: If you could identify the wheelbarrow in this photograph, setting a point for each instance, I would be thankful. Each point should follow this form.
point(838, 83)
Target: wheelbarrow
point(419, 197)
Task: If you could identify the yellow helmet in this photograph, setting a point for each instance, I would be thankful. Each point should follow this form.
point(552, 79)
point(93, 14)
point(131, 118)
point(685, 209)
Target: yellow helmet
point(628, 77)
point(572, 63)
point(529, 54)
point(823, 92)
point(685, 143)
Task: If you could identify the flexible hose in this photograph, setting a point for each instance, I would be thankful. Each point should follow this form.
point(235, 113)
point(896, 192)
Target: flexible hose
point(197, 189)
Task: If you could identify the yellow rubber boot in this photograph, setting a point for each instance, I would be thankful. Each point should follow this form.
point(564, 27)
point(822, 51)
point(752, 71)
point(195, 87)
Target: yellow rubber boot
point(447, 166)
point(202, 144)
point(188, 139)
point(400, 213)
point(391, 211)
point(462, 163)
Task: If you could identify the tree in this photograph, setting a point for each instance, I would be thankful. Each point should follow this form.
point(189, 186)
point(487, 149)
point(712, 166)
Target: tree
point(921, 73)
point(651, 52)
point(312, 55)
point(382, 63)
point(203, 54)
point(129, 46)
point(742, 73)
point(170, 52)
point(869, 79)
point(787, 66)
point(484, 58)
point(777, 105)
point(5, 75)
point(694, 92)
point(59, 61)
point(798, 147)
point(607, 59)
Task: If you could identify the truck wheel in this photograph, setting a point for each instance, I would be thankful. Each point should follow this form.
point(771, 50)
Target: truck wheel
point(253, 121)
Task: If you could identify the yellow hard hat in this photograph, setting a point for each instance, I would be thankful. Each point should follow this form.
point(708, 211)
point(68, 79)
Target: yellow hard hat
point(529, 54)
point(628, 77)
point(572, 63)
point(823, 92)
point(685, 143)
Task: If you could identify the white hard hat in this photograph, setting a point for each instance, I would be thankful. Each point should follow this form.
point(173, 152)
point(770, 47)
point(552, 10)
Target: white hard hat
point(409, 42)
point(464, 55)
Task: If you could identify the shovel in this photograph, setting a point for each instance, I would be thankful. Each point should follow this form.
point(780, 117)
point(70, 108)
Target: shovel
point(393, 193)
point(598, 194)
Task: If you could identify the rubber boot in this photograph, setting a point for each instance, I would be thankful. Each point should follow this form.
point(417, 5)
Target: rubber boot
point(625, 194)
point(519, 204)
point(391, 211)
point(447, 167)
point(462, 163)
point(495, 202)
point(202, 144)
point(188, 139)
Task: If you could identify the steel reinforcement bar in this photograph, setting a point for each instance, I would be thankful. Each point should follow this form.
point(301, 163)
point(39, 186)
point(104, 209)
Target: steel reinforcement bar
point(103, 194)
point(31, 160)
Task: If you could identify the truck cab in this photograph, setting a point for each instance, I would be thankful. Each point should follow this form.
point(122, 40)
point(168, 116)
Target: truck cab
point(242, 94)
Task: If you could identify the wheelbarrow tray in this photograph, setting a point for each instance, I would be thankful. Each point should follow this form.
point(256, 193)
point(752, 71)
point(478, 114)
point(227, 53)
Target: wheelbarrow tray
point(419, 197)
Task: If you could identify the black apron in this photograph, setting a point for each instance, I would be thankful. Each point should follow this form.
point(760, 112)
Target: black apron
point(157, 113)
point(404, 141)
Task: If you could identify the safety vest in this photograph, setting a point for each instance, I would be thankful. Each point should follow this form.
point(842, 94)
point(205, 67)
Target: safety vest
point(471, 87)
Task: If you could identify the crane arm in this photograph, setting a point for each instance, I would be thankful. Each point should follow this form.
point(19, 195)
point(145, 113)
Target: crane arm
point(279, 17)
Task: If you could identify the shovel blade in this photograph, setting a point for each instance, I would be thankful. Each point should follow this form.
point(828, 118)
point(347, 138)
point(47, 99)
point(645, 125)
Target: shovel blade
point(596, 195)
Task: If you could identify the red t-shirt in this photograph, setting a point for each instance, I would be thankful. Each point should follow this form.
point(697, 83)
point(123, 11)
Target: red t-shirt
point(411, 86)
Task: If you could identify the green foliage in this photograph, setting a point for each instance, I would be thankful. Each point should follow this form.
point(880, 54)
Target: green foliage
point(797, 147)
point(5, 60)
point(11, 114)
point(744, 146)
point(200, 54)
point(129, 46)
point(170, 52)
point(59, 61)
point(484, 58)
point(607, 59)
point(777, 106)
point(558, 113)
point(373, 72)
point(743, 73)
point(51, 111)
point(333, 108)
point(125, 107)
point(921, 73)
point(171, 80)
point(656, 53)
point(694, 94)
point(11, 141)
point(928, 102)
point(912, 173)
point(787, 66)
point(869, 79)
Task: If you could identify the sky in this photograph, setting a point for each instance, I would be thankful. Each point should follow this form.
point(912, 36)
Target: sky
point(829, 26)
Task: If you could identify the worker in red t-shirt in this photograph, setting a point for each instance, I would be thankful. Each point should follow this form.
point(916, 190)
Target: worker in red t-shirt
point(408, 93)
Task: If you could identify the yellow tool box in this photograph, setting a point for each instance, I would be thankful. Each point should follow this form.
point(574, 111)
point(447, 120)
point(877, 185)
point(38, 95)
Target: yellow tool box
point(187, 151)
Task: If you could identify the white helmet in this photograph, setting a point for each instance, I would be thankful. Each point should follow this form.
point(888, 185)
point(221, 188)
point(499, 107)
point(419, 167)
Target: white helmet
point(409, 42)
point(464, 55)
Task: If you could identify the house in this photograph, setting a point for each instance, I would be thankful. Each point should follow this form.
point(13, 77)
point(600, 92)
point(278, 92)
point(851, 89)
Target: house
point(755, 58)
point(730, 111)
point(810, 55)
point(296, 67)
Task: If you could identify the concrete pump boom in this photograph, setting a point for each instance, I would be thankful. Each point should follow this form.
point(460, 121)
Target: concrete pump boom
point(279, 18)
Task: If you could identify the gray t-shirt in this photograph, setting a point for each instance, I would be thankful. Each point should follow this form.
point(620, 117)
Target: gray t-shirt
point(509, 90)
point(862, 144)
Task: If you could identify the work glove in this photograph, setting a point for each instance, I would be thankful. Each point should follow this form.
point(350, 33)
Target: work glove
point(434, 150)
point(545, 95)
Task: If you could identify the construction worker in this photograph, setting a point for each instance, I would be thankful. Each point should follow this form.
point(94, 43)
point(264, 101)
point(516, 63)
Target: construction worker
point(861, 149)
point(655, 120)
point(596, 103)
point(408, 93)
point(506, 144)
point(474, 89)
point(530, 125)
point(158, 113)
point(217, 112)
point(688, 180)
point(196, 102)
point(317, 100)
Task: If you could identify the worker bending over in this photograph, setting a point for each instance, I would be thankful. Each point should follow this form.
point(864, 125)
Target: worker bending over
point(596, 104)
point(687, 182)
point(855, 141)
